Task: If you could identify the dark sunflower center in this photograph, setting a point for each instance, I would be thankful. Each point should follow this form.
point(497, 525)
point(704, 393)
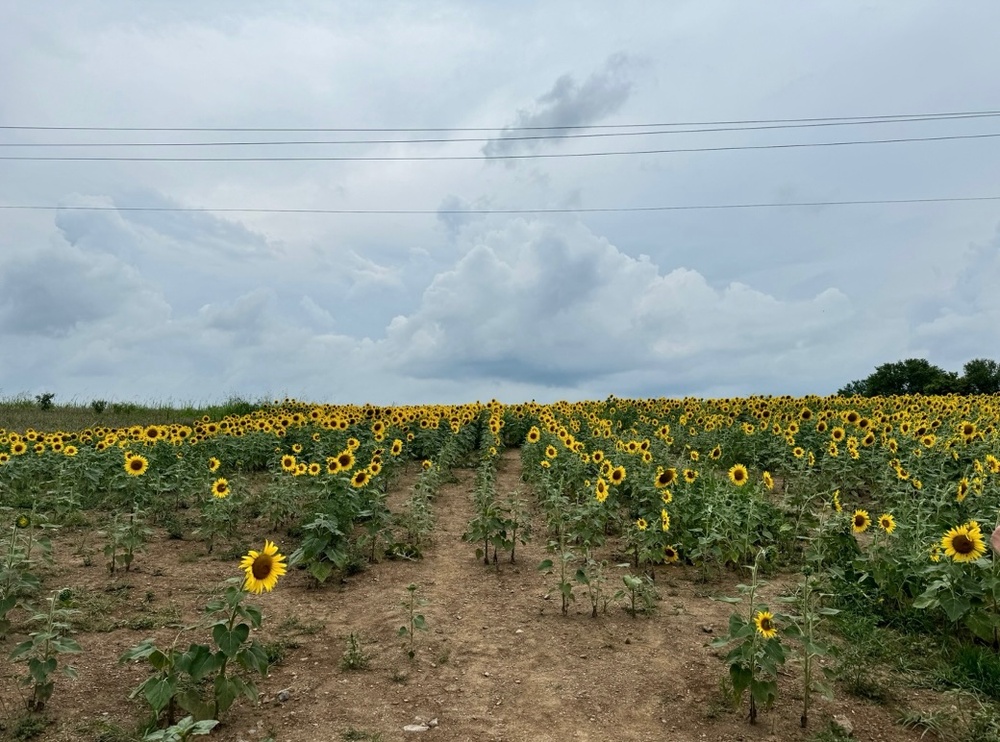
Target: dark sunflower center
point(962, 544)
point(738, 475)
point(859, 520)
point(262, 567)
point(765, 624)
point(135, 464)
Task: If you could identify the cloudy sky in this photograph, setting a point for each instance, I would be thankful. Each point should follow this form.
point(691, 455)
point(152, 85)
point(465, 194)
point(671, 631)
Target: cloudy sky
point(199, 300)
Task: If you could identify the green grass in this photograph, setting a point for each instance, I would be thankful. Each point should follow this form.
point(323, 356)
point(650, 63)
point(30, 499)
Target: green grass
point(22, 412)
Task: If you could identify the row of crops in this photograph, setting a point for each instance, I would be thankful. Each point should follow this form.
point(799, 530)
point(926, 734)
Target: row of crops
point(884, 503)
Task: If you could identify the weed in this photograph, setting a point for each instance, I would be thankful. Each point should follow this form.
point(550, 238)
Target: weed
point(354, 657)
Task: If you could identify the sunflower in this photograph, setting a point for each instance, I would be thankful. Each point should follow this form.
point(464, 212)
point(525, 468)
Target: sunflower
point(396, 448)
point(836, 502)
point(964, 543)
point(887, 523)
point(693, 455)
point(262, 568)
point(664, 521)
point(716, 453)
point(860, 521)
point(601, 490)
point(963, 489)
point(551, 452)
point(667, 496)
point(798, 452)
point(670, 554)
point(764, 621)
point(135, 464)
point(641, 524)
point(70, 450)
point(665, 477)
point(597, 456)
point(346, 460)
point(4, 457)
point(360, 478)
point(18, 448)
point(427, 464)
point(690, 475)
point(23, 521)
point(617, 475)
point(214, 464)
point(314, 469)
point(768, 480)
point(288, 462)
point(738, 475)
point(220, 487)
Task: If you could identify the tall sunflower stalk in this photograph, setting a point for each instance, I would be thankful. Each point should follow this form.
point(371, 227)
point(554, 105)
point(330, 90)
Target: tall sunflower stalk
point(759, 653)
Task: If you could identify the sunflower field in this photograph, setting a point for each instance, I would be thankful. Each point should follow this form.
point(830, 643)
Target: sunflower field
point(875, 513)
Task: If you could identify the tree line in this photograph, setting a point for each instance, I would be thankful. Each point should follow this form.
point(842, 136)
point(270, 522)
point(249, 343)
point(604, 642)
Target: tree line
point(918, 376)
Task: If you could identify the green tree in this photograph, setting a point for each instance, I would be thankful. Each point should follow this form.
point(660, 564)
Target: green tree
point(981, 376)
point(912, 376)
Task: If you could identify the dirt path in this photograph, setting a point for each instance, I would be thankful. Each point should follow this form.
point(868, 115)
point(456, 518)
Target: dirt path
point(499, 662)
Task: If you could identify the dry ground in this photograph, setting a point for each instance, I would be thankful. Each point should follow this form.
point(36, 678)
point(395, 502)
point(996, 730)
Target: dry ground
point(498, 662)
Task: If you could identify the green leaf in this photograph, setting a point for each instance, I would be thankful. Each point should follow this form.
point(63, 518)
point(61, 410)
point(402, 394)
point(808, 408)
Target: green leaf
point(419, 622)
point(741, 677)
point(545, 565)
point(227, 690)
point(21, 649)
point(193, 703)
point(764, 692)
point(320, 571)
point(229, 641)
point(158, 692)
point(199, 662)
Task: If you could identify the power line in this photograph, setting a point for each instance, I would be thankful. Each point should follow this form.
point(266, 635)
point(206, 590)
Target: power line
point(631, 132)
point(944, 115)
point(485, 157)
point(478, 212)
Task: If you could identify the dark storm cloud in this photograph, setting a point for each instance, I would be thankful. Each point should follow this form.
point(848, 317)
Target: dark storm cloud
point(569, 104)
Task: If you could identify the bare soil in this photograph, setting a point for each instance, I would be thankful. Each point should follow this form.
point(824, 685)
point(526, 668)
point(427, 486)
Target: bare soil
point(498, 661)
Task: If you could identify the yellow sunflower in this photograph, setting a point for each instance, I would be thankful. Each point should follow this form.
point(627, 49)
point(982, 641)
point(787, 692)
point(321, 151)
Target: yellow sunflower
point(136, 465)
point(665, 477)
point(690, 475)
point(262, 568)
point(641, 524)
point(214, 464)
point(964, 543)
point(768, 480)
point(764, 621)
point(860, 521)
point(220, 488)
point(739, 475)
point(617, 475)
point(664, 521)
point(670, 554)
point(887, 523)
point(601, 490)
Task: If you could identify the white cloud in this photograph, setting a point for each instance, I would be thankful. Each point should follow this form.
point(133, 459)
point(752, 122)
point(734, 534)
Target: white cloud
point(554, 304)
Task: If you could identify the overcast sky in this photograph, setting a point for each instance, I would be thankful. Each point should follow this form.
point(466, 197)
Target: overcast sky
point(188, 306)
